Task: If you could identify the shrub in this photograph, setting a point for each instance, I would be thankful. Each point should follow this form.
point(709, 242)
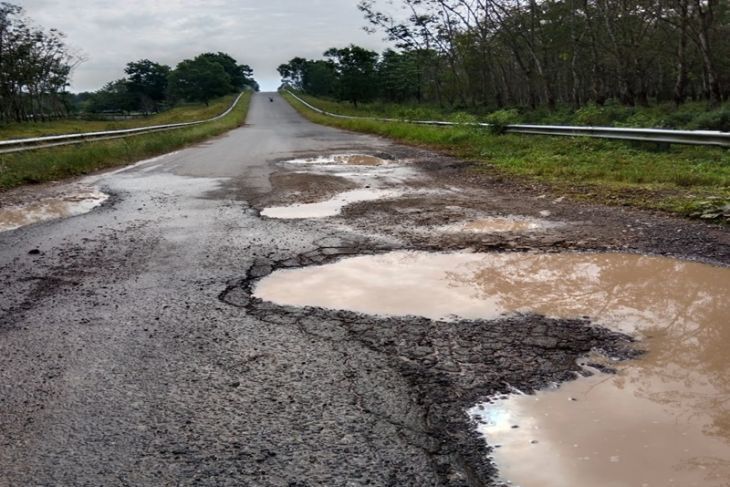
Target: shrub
point(499, 120)
point(716, 120)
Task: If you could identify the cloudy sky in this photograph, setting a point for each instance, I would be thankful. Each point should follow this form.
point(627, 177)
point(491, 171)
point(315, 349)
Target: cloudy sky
point(260, 33)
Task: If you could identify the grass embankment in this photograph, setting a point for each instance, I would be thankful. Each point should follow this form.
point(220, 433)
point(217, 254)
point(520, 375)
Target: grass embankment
point(684, 180)
point(689, 116)
point(56, 163)
point(184, 113)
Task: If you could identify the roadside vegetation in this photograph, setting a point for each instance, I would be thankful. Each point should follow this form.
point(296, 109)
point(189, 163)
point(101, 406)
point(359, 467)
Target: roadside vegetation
point(42, 165)
point(185, 112)
point(692, 181)
point(688, 116)
point(486, 55)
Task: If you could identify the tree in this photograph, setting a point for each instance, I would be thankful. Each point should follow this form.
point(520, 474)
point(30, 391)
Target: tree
point(35, 66)
point(356, 72)
point(113, 97)
point(147, 80)
point(241, 74)
point(528, 52)
point(199, 79)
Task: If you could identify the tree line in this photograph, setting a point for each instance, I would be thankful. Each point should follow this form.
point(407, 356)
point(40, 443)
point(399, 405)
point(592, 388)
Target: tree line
point(35, 66)
point(150, 86)
point(530, 53)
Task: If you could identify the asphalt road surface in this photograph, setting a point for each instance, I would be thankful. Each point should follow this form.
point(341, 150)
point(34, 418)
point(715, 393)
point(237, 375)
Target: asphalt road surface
point(132, 354)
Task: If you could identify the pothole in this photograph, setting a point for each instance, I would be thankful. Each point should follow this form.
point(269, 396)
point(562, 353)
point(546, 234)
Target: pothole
point(514, 224)
point(660, 420)
point(330, 207)
point(346, 159)
point(71, 204)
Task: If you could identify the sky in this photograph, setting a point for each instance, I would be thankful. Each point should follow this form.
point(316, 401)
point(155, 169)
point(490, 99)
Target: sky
point(260, 33)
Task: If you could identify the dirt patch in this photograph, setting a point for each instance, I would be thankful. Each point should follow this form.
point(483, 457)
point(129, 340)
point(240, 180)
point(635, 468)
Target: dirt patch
point(470, 195)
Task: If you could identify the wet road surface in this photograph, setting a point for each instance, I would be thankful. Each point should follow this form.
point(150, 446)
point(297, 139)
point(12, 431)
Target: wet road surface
point(132, 352)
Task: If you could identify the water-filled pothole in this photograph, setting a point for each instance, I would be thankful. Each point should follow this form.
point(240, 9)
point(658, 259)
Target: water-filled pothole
point(661, 420)
point(330, 207)
point(71, 204)
point(347, 159)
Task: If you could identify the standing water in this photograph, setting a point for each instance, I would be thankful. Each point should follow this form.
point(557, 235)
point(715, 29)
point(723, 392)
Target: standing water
point(661, 420)
point(71, 204)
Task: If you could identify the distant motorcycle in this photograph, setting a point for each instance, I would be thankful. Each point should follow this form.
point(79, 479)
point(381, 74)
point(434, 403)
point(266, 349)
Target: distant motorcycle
point(271, 100)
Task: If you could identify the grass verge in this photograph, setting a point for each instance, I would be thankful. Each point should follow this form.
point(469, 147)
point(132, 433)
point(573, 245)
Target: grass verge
point(56, 163)
point(184, 113)
point(691, 181)
point(689, 116)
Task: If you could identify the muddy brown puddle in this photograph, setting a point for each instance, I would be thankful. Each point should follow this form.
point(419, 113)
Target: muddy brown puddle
point(661, 420)
point(71, 204)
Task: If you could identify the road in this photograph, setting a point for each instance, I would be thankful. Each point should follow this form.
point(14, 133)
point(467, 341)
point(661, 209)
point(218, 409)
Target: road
point(131, 353)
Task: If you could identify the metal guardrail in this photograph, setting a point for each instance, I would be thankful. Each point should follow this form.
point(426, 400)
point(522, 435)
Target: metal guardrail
point(662, 136)
point(18, 145)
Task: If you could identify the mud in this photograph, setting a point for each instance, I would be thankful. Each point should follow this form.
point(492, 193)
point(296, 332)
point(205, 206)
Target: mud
point(303, 187)
point(496, 224)
point(470, 194)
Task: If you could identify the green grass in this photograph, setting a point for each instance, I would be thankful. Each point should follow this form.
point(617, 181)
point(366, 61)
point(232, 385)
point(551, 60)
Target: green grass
point(691, 115)
point(183, 113)
point(682, 179)
point(52, 164)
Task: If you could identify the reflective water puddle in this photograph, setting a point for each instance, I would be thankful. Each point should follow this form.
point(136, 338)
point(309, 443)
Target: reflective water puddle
point(347, 159)
point(662, 420)
point(12, 217)
point(499, 225)
point(330, 207)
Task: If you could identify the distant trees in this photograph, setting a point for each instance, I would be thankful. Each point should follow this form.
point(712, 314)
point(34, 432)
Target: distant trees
point(529, 53)
point(316, 77)
point(35, 66)
point(356, 73)
point(149, 85)
point(488, 54)
point(349, 73)
point(199, 79)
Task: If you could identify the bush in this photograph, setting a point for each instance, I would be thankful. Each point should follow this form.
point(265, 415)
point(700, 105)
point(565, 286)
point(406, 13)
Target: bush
point(716, 120)
point(462, 117)
point(499, 120)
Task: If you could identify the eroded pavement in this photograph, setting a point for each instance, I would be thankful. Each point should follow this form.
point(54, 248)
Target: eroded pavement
point(134, 350)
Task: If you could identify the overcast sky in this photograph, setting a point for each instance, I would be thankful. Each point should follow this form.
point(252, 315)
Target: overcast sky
point(260, 33)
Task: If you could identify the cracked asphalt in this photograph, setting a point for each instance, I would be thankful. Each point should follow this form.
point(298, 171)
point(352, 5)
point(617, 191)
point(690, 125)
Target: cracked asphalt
point(131, 351)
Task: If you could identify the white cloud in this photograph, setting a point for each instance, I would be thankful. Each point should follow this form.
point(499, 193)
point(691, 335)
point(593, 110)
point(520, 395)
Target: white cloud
point(261, 33)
